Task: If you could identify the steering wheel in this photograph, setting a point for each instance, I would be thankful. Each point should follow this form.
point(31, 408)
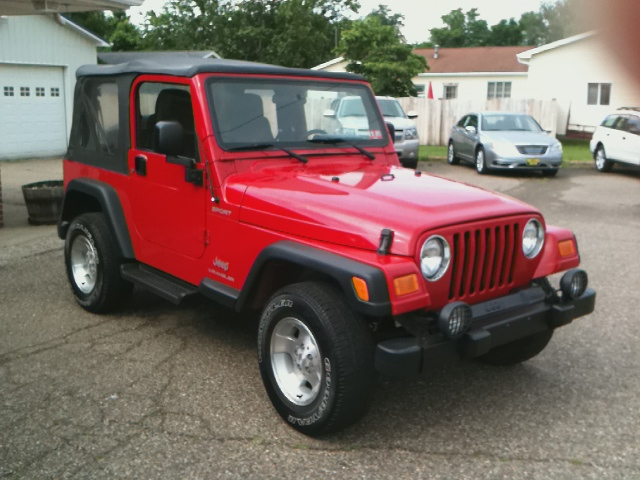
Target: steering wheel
point(316, 131)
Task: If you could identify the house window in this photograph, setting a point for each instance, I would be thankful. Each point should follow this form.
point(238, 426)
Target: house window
point(55, 92)
point(8, 91)
point(420, 92)
point(598, 94)
point(499, 90)
point(39, 91)
point(450, 91)
point(24, 91)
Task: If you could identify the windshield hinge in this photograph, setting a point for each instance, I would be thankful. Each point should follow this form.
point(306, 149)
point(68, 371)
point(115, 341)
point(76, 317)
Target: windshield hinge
point(386, 239)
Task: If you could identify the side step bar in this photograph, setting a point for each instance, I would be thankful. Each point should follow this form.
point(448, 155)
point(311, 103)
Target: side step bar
point(160, 283)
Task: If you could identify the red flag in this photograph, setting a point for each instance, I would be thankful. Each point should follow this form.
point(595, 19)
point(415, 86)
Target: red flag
point(430, 92)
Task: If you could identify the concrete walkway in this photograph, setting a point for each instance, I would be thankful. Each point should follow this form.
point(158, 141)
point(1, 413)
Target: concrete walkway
point(18, 239)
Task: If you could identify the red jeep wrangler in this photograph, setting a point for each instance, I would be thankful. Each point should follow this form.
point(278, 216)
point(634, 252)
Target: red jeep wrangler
point(233, 180)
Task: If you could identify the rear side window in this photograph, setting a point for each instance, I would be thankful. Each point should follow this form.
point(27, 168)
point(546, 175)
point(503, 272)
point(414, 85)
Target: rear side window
point(633, 125)
point(97, 116)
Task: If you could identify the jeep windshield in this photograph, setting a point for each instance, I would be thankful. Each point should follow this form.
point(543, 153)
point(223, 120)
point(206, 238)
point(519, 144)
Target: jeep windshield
point(251, 113)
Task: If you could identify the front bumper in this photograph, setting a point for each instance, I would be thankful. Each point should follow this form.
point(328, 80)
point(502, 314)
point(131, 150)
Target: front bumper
point(494, 323)
point(548, 161)
point(407, 149)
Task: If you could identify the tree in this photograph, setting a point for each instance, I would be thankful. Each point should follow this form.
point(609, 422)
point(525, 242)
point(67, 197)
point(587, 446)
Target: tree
point(378, 52)
point(533, 28)
point(505, 33)
point(115, 28)
point(461, 30)
point(554, 21)
point(563, 18)
point(293, 33)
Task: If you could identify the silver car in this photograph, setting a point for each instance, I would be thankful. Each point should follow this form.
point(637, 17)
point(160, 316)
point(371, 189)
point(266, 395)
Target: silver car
point(504, 140)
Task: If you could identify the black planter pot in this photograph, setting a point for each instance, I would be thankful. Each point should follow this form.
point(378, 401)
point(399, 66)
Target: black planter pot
point(44, 200)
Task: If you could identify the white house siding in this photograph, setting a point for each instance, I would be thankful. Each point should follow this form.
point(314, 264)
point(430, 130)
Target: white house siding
point(472, 86)
point(563, 74)
point(48, 49)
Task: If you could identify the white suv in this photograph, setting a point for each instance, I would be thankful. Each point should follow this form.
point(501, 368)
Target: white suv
point(617, 139)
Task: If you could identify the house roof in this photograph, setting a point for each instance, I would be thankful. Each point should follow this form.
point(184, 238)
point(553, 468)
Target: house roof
point(473, 59)
point(37, 7)
point(185, 66)
point(525, 57)
point(113, 58)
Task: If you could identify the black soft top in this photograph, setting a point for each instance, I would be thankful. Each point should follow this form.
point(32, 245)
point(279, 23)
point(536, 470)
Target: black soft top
point(188, 67)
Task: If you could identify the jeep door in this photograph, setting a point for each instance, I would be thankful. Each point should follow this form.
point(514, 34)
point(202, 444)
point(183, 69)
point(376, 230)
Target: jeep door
point(169, 208)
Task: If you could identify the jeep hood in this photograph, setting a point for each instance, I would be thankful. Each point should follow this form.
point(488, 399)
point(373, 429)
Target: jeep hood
point(352, 208)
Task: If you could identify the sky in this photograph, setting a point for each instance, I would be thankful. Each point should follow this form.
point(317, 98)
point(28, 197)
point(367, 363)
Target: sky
point(419, 15)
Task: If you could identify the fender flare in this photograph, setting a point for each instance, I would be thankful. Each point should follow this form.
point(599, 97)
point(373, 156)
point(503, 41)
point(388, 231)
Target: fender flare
point(337, 267)
point(109, 202)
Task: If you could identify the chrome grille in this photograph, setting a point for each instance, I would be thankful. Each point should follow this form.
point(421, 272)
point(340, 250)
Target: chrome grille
point(532, 149)
point(484, 259)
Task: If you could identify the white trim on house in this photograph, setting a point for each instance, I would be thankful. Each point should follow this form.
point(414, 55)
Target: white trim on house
point(100, 42)
point(474, 74)
point(40, 7)
point(324, 65)
point(525, 57)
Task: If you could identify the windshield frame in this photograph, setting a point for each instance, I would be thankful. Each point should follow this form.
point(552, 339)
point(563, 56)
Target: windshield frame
point(355, 88)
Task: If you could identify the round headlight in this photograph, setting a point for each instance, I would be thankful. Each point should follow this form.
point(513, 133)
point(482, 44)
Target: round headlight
point(435, 256)
point(532, 238)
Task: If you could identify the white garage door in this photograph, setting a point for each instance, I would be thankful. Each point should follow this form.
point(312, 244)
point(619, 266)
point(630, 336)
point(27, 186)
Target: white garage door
point(32, 112)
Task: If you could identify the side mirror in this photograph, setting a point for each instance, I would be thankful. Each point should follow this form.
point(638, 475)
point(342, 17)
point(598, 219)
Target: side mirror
point(392, 131)
point(168, 138)
point(412, 114)
point(330, 113)
point(471, 129)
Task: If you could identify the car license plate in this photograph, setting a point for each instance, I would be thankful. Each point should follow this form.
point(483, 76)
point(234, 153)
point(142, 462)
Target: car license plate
point(533, 161)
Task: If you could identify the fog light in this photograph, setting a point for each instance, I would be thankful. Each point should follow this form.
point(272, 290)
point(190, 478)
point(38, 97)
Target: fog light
point(574, 283)
point(455, 319)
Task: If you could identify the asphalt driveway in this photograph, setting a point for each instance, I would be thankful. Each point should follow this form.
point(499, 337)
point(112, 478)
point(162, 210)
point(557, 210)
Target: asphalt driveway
point(159, 391)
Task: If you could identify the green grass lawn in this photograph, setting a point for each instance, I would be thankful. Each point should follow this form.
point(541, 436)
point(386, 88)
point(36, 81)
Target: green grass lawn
point(574, 150)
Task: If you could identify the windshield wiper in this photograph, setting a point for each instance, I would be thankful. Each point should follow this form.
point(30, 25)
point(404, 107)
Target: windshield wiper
point(337, 140)
point(259, 146)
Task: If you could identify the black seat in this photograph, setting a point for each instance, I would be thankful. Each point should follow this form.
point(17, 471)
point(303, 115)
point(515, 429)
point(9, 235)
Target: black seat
point(174, 104)
point(243, 120)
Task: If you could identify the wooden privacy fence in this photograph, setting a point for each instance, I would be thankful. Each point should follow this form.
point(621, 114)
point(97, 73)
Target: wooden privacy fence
point(436, 117)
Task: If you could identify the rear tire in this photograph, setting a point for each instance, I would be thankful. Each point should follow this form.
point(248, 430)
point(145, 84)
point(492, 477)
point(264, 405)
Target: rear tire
point(315, 358)
point(518, 351)
point(93, 265)
point(601, 162)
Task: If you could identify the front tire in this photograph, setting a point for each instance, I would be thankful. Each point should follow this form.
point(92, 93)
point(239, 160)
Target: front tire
point(93, 265)
point(315, 358)
point(518, 351)
point(452, 158)
point(601, 162)
point(481, 162)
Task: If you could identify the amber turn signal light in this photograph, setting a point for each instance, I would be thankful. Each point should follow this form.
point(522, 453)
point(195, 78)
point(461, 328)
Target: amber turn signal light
point(566, 248)
point(361, 288)
point(405, 285)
